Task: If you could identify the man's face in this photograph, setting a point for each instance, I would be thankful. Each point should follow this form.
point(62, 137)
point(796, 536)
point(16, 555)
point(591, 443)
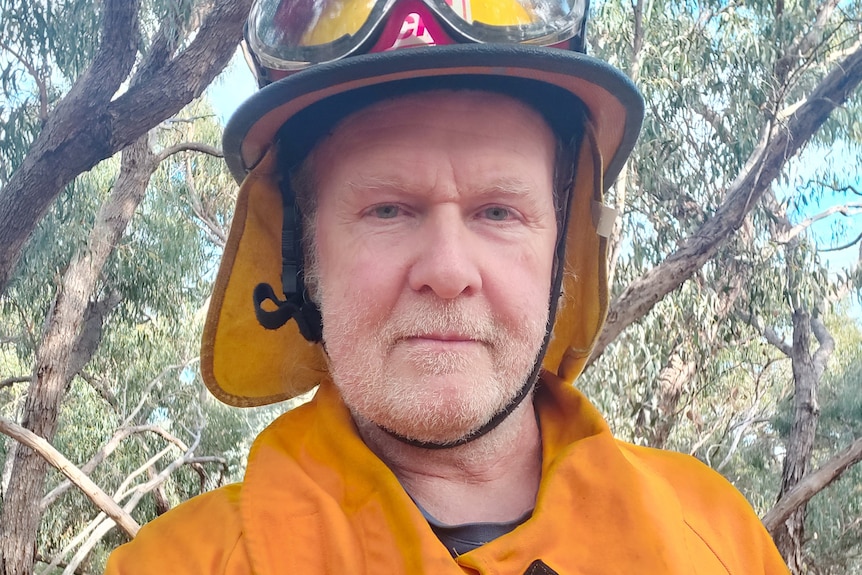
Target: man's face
point(435, 234)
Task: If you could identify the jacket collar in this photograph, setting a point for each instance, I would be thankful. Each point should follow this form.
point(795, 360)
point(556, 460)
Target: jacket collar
point(317, 500)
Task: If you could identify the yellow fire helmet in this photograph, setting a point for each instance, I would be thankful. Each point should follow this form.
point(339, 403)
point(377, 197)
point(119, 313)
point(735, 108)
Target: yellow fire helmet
point(321, 60)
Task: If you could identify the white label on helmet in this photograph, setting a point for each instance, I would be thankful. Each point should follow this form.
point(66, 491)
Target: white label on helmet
point(604, 218)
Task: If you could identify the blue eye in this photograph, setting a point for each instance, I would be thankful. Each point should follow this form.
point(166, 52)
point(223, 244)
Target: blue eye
point(496, 213)
point(385, 211)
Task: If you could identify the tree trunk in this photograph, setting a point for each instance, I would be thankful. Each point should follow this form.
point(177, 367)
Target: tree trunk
point(55, 356)
point(789, 535)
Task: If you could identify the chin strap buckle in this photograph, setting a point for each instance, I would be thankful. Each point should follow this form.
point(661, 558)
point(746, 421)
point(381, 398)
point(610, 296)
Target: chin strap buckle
point(304, 312)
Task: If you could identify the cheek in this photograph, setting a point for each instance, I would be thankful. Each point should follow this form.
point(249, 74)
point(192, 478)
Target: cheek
point(527, 269)
point(353, 274)
point(516, 292)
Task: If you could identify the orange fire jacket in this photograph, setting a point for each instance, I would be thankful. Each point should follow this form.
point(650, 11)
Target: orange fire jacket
point(316, 500)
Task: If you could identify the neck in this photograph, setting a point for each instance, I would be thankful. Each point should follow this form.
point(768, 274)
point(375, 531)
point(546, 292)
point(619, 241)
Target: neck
point(491, 479)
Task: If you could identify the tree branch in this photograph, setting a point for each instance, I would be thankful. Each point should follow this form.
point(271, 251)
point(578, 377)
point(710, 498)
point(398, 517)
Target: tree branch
point(152, 384)
point(215, 232)
point(188, 147)
point(812, 484)
point(90, 336)
point(100, 526)
point(186, 75)
point(845, 210)
point(776, 341)
point(767, 332)
point(99, 498)
point(107, 449)
point(13, 380)
point(807, 42)
point(101, 388)
point(849, 244)
point(76, 571)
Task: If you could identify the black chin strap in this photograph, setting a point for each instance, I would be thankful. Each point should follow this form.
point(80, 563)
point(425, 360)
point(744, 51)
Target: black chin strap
point(305, 313)
point(295, 304)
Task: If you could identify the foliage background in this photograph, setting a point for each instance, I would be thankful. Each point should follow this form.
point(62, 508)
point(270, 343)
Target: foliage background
point(702, 372)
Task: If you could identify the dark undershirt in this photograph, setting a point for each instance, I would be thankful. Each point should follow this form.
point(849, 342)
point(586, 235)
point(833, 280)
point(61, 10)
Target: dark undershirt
point(460, 539)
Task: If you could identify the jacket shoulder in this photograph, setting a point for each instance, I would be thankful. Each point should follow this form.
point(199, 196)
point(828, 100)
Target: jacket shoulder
point(720, 519)
point(201, 536)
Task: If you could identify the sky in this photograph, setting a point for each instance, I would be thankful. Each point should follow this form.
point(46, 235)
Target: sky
point(233, 86)
point(838, 229)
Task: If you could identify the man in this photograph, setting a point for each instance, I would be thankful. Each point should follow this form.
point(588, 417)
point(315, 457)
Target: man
point(436, 213)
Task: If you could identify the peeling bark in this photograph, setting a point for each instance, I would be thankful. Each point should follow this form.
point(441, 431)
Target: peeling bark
point(672, 382)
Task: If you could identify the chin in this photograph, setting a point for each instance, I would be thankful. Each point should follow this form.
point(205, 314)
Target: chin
point(441, 411)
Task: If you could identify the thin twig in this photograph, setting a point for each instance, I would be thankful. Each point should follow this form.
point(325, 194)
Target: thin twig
point(40, 82)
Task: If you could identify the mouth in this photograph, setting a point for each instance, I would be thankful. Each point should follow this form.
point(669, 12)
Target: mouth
point(444, 337)
point(433, 343)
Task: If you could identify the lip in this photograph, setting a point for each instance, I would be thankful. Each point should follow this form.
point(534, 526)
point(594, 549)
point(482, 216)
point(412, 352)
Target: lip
point(436, 343)
point(443, 337)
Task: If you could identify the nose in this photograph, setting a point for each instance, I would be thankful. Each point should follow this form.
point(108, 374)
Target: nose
point(447, 259)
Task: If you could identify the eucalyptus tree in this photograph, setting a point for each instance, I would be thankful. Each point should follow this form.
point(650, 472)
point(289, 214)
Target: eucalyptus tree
point(735, 91)
point(96, 76)
point(134, 416)
point(81, 81)
point(720, 265)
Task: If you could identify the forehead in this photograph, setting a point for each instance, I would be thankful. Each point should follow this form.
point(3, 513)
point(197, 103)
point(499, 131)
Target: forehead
point(465, 123)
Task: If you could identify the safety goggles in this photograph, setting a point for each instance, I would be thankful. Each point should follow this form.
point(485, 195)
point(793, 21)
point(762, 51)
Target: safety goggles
point(289, 35)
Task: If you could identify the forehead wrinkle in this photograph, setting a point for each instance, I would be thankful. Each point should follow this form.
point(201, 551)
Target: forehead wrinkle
point(505, 186)
point(379, 183)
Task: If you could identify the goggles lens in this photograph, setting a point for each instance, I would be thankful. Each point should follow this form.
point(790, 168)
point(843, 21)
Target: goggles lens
point(292, 34)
